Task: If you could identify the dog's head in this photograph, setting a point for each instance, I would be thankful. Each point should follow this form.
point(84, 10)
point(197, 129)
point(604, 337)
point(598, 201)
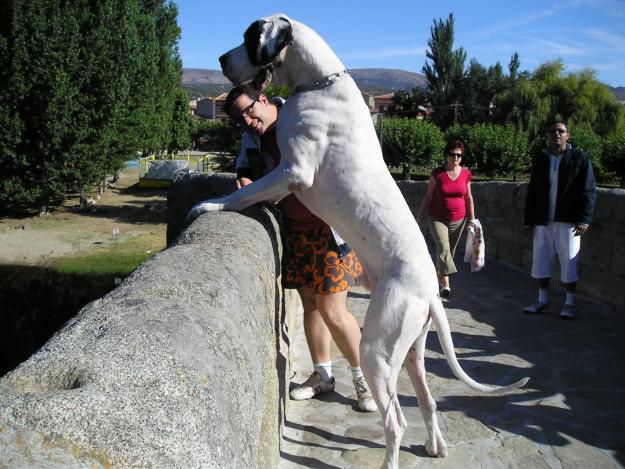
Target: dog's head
point(263, 43)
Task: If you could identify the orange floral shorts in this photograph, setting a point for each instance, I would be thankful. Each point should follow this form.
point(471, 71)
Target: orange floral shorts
point(313, 259)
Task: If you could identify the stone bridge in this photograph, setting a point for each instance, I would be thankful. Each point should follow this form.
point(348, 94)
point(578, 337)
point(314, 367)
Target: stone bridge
point(186, 363)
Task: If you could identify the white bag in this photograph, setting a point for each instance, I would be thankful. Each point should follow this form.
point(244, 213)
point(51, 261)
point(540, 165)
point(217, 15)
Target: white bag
point(475, 249)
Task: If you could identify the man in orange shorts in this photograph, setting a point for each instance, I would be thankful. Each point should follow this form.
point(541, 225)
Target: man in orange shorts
point(317, 262)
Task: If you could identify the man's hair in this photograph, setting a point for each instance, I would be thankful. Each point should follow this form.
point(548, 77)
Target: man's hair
point(453, 144)
point(557, 121)
point(237, 91)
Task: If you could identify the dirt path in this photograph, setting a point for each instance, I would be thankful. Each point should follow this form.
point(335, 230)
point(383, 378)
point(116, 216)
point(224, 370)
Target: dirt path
point(124, 211)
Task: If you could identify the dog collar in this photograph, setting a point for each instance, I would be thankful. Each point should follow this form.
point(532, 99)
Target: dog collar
point(327, 81)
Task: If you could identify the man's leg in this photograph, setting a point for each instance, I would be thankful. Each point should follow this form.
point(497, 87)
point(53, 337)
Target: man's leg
point(543, 255)
point(346, 333)
point(319, 343)
point(568, 247)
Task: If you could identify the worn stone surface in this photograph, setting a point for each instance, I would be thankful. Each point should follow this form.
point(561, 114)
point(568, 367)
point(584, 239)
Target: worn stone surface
point(182, 365)
point(570, 415)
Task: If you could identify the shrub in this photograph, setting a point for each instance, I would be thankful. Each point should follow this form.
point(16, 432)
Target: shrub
point(494, 150)
point(410, 141)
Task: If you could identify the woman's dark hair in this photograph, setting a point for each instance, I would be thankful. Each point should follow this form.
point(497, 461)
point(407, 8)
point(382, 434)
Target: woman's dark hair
point(453, 144)
point(237, 91)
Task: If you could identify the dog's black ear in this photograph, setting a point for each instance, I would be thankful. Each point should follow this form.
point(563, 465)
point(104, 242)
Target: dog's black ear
point(251, 39)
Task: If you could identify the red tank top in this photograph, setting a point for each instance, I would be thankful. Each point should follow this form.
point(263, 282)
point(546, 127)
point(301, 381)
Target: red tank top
point(448, 202)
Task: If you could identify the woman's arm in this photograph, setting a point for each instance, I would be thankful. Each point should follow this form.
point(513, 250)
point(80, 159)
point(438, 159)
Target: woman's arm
point(427, 200)
point(469, 202)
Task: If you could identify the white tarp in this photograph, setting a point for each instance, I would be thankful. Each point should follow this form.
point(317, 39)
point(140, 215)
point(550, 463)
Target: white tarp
point(166, 169)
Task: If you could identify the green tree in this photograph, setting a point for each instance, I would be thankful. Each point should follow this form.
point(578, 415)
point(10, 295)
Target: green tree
point(410, 142)
point(407, 104)
point(444, 72)
point(83, 86)
point(180, 122)
point(494, 150)
point(614, 156)
point(480, 86)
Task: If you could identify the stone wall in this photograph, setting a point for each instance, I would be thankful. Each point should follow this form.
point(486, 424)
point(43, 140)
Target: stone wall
point(183, 365)
point(499, 207)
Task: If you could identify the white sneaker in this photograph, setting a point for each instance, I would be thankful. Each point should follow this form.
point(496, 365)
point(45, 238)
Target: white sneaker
point(365, 399)
point(567, 312)
point(312, 387)
point(536, 308)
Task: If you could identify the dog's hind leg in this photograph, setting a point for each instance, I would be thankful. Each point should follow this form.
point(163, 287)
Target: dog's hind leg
point(390, 328)
point(415, 367)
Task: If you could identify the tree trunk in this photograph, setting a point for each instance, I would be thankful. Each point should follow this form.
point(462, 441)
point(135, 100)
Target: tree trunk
point(406, 171)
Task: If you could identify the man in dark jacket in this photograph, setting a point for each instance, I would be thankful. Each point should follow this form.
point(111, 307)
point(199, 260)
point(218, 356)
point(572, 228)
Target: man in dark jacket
point(559, 206)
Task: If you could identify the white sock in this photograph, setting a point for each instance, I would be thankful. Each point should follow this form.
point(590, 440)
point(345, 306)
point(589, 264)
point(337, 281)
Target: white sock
point(356, 373)
point(324, 370)
point(542, 295)
point(570, 298)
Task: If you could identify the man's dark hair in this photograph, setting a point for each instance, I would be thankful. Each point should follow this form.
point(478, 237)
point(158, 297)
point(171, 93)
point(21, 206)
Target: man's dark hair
point(237, 91)
point(557, 121)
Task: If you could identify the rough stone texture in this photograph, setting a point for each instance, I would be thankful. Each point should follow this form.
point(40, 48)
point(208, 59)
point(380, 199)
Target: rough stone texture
point(189, 189)
point(183, 365)
point(499, 206)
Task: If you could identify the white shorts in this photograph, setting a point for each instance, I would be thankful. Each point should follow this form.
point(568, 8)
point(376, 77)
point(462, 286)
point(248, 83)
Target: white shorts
point(555, 239)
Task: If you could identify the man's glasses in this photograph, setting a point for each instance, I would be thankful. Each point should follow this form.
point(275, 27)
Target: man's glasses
point(560, 131)
point(454, 155)
point(246, 112)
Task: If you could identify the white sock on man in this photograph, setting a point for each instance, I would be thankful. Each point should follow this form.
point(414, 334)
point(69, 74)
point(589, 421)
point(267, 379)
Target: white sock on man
point(542, 295)
point(356, 372)
point(324, 370)
point(570, 298)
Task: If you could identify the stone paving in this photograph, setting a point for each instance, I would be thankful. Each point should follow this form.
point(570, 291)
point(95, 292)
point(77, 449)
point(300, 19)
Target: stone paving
point(571, 414)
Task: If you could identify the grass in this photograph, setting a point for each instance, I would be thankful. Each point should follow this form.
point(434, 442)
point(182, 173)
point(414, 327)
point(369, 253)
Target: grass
point(118, 259)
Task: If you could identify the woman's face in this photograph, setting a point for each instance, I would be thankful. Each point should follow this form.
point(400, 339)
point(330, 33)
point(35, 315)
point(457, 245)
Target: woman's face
point(454, 157)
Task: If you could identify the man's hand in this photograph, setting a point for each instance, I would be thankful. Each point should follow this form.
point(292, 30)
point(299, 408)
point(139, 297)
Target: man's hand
point(242, 182)
point(580, 229)
point(202, 207)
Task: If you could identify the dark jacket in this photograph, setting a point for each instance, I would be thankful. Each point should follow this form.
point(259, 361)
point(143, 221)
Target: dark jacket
point(575, 202)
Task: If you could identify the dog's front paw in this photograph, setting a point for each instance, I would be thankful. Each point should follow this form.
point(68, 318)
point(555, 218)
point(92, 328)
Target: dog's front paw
point(203, 207)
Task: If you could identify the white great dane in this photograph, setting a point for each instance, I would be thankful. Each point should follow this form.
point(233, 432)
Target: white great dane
point(331, 160)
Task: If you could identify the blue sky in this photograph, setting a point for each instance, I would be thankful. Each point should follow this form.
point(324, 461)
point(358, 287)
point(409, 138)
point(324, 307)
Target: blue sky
point(394, 34)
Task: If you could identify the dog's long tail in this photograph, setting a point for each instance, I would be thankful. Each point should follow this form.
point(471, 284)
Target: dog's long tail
point(439, 318)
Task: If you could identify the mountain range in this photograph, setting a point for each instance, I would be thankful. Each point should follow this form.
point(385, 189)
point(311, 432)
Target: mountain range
point(201, 82)
point(376, 81)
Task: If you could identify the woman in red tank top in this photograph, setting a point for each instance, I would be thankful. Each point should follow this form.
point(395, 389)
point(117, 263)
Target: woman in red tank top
point(448, 201)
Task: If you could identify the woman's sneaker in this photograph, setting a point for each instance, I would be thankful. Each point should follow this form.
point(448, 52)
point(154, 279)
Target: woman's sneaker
point(312, 387)
point(365, 399)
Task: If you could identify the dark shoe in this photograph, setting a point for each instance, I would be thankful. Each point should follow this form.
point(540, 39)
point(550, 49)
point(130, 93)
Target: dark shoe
point(567, 312)
point(445, 292)
point(312, 387)
point(536, 308)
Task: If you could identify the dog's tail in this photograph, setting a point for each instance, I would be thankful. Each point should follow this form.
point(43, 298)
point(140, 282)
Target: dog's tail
point(439, 318)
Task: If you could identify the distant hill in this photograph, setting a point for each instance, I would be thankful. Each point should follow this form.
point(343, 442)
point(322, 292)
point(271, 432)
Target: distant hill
point(202, 82)
point(619, 92)
point(376, 81)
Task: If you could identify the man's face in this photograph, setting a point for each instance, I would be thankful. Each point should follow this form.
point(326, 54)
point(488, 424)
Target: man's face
point(557, 135)
point(254, 115)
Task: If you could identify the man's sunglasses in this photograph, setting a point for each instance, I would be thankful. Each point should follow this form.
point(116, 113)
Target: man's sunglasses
point(560, 131)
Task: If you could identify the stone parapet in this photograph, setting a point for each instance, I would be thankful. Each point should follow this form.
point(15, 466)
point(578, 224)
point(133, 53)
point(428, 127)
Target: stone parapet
point(183, 365)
